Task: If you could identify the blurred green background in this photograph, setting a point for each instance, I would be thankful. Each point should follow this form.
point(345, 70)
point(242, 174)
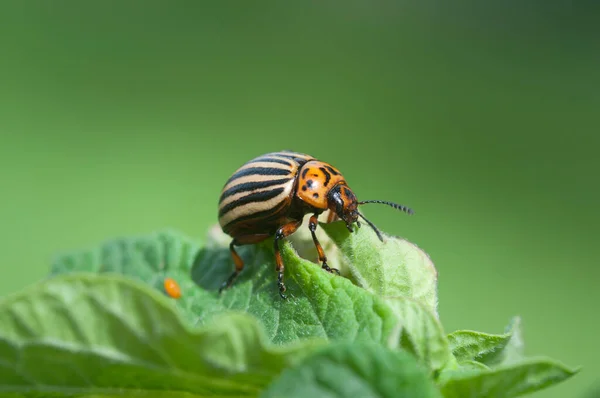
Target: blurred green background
point(126, 117)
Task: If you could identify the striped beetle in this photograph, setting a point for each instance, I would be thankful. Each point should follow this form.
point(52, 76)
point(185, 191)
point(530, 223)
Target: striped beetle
point(269, 196)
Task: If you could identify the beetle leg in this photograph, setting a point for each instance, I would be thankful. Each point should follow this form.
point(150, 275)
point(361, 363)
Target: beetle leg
point(312, 225)
point(237, 260)
point(332, 217)
point(282, 233)
point(239, 266)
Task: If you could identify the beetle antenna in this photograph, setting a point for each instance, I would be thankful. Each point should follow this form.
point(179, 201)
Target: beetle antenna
point(372, 226)
point(394, 205)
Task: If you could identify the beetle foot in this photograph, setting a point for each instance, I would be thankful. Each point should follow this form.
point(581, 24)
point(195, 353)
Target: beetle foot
point(281, 286)
point(329, 269)
point(227, 284)
point(281, 290)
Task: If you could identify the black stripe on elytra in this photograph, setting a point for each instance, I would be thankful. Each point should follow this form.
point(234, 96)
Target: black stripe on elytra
point(331, 170)
point(267, 216)
point(327, 176)
point(263, 171)
point(285, 154)
point(297, 157)
point(250, 186)
point(270, 159)
point(253, 197)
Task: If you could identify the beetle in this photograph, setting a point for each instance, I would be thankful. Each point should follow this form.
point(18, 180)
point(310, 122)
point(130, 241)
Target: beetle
point(269, 196)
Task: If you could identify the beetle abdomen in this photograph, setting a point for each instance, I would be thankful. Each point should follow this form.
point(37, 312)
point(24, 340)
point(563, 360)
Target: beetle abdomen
point(259, 192)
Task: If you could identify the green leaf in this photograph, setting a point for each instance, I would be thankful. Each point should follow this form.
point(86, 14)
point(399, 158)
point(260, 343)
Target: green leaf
point(487, 349)
point(354, 370)
point(86, 334)
point(421, 333)
point(504, 381)
point(149, 258)
point(473, 365)
point(404, 276)
point(467, 345)
point(319, 304)
point(511, 351)
point(393, 268)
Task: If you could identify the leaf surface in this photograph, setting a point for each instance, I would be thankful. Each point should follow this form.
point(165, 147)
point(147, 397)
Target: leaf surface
point(354, 370)
point(505, 381)
point(486, 348)
point(395, 267)
point(104, 334)
point(421, 333)
point(319, 304)
point(402, 275)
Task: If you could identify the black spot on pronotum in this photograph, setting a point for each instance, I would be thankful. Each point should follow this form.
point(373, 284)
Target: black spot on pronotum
point(349, 195)
point(304, 173)
point(327, 176)
point(331, 170)
point(315, 195)
point(304, 187)
point(309, 183)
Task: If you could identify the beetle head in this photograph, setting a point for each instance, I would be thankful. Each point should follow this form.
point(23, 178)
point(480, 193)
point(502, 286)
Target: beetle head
point(343, 202)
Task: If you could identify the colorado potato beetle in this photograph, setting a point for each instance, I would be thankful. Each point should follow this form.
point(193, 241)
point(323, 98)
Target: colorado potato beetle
point(269, 196)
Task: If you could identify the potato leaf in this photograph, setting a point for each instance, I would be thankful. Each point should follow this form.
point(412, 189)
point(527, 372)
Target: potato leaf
point(354, 370)
point(395, 267)
point(510, 351)
point(86, 334)
point(506, 381)
point(421, 333)
point(319, 304)
point(468, 345)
